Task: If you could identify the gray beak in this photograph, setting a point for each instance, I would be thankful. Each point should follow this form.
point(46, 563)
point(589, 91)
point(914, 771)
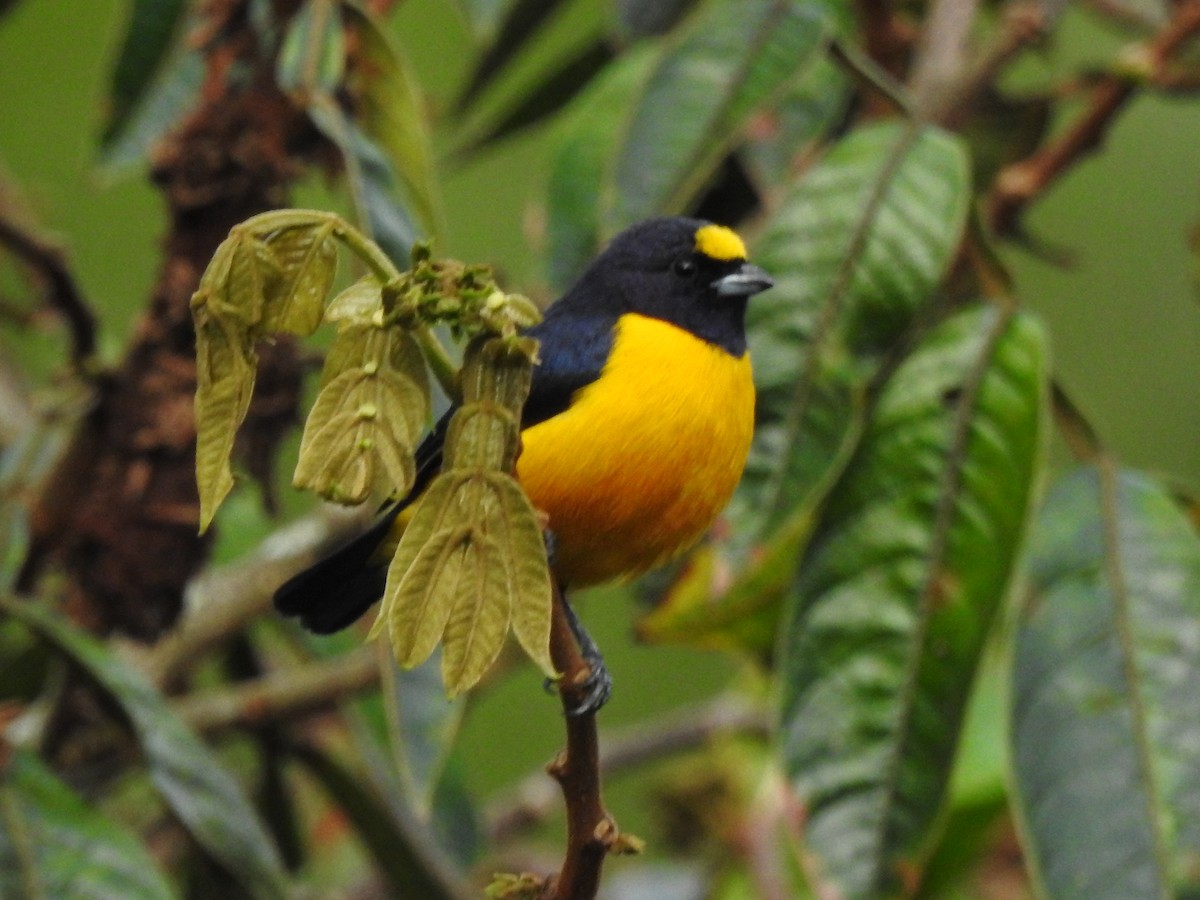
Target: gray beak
point(745, 282)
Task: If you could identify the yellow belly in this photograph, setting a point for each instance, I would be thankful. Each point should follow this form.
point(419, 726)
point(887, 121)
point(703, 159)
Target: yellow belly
point(646, 457)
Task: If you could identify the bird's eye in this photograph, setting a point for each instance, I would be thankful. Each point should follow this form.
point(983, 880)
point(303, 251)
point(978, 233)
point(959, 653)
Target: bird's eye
point(685, 267)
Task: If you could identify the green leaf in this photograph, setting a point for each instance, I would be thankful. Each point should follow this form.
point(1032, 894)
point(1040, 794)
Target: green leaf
point(372, 181)
point(147, 41)
point(53, 844)
point(169, 97)
point(900, 586)
point(1106, 691)
point(313, 55)
point(522, 21)
point(735, 58)
point(423, 727)
point(472, 559)
point(225, 370)
point(399, 844)
point(193, 783)
point(577, 198)
point(392, 115)
point(306, 257)
point(856, 250)
point(362, 431)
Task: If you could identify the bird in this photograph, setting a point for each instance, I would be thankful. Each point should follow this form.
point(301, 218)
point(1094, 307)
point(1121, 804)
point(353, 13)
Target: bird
point(636, 430)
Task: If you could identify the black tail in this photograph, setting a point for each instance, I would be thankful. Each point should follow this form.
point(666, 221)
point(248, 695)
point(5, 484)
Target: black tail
point(334, 592)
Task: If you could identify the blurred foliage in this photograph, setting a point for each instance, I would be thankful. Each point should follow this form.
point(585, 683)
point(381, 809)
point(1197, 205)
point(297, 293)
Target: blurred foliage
point(972, 689)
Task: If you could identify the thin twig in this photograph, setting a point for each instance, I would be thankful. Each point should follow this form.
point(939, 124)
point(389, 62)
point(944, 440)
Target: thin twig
point(591, 831)
point(62, 293)
point(534, 800)
point(282, 694)
point(1021, 183)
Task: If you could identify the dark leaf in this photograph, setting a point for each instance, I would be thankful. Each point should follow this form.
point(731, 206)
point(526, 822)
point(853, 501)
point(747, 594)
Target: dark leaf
point(53, 844)
point(733, 60)
point(897, 594)
point(152, 27)
point(1106, 691)
point(172, 94)
point(522, 22)
point(193, 783)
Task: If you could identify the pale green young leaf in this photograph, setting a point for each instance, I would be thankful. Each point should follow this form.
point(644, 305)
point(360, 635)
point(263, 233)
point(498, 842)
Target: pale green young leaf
point(306, 256)
point(225, 370)
point(358, 304)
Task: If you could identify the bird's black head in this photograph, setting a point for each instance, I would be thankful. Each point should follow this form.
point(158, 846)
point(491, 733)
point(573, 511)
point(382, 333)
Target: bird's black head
point(685, 271)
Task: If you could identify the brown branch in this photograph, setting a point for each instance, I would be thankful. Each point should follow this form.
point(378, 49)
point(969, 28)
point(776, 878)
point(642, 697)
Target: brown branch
point(1020, 184)
point(48, 262)
point(591, 831)
point(282, 694)
point(534, 800)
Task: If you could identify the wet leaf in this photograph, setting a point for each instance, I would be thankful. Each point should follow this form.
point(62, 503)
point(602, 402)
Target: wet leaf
point(192, 781)
point(54, 844)
point(733, 59)
point(1106, 691)
point(900, 586)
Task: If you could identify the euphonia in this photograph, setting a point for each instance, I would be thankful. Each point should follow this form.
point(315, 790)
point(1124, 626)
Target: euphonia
point(636, 429)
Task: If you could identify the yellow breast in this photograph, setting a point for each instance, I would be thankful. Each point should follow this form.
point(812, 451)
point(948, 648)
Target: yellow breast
point(639, 466)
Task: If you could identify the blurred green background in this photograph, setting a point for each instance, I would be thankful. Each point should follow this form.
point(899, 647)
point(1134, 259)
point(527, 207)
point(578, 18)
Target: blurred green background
point(1124, 318)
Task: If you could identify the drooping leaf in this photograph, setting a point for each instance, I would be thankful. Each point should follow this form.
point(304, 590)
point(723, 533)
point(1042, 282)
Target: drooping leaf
point(856, 250)
point(53, 844)
point(151, 30)
point(192, 781)
point(306, 256)
point(578, 198)
point(472, 559)
point(399, 844)
point(225, 370)
point(900, 586)
point(1106, 691)
point(373, 403)
point(392, 115)
point(733, 59)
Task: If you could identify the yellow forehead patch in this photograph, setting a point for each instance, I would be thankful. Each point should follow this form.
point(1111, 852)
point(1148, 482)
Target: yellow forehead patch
point(719, 242)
